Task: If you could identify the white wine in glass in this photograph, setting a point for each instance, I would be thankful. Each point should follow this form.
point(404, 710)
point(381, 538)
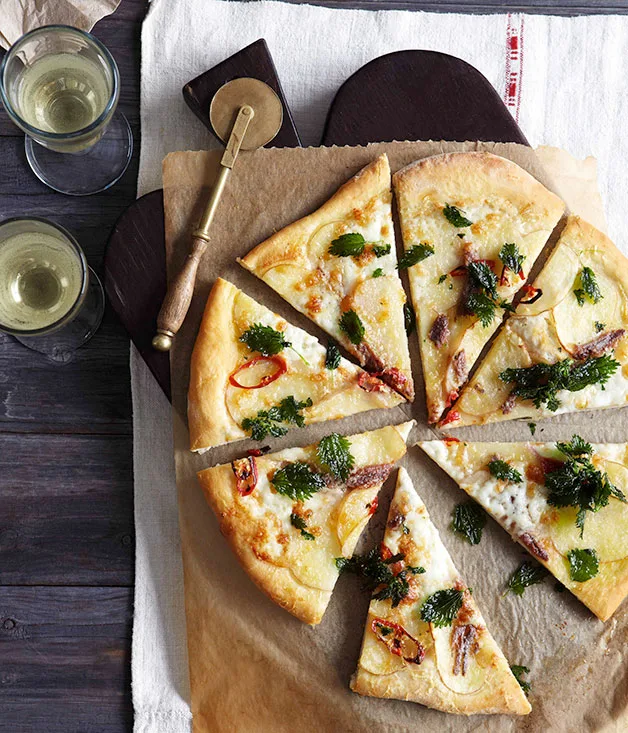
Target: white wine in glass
point(50, 300)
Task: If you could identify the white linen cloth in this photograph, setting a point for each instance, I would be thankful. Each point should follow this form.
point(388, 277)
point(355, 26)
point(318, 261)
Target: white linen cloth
point(562, 78)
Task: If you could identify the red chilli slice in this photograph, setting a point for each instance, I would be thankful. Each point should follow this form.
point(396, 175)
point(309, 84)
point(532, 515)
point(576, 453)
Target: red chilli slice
point(453, 416)
point(398, 640)
point(278, 361)
point(245, 470)
point(373, 506)
point(531, 295)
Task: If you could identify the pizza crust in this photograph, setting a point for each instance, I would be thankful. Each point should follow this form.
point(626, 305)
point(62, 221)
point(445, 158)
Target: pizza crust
point(506, 205)
point(487, 685)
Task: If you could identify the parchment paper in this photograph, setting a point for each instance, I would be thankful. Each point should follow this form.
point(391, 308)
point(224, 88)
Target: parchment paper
point(254, 667)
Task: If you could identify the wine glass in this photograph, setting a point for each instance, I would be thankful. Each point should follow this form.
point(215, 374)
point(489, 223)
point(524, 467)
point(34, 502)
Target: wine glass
point(50, 299)
point(61, 85)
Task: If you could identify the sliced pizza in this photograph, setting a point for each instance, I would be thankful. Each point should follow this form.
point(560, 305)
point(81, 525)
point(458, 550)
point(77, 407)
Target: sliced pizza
point(472, 225)
point(564, 502)
point(427, 641)
point(253, 374)
point(564, 349)
point(289, 515)
point(338, 267)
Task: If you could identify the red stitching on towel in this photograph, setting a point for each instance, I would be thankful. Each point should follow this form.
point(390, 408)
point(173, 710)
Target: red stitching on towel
point(514, 64)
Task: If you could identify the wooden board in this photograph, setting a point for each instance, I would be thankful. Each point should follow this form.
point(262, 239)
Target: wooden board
point(463, 106)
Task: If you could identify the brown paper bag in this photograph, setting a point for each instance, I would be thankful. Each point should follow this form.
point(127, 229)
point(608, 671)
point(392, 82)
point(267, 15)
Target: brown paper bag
point(253, 666)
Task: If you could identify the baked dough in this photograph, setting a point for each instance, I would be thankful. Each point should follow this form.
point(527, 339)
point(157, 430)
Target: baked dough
point(504, 204)
point(216, 407)
point(299, 574)
point(297, 263)
point(471, 676)
point(523, 511)
point(552, 329)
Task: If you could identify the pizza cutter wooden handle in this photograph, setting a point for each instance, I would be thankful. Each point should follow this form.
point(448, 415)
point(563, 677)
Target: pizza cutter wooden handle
point(180, 291)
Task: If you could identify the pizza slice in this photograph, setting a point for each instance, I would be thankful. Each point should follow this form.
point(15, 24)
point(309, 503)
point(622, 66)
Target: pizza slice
point(289, 515)
point(563, 349)
point(253, 374)
point(338, 267)
point(431, 646)
point(564, 502)
point(472, 225)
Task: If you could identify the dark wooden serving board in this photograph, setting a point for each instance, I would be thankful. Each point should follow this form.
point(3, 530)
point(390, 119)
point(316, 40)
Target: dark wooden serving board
point(415, 95)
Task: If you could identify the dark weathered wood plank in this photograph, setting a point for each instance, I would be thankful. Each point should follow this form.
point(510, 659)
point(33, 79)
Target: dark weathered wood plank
point(65, 660)
point(66, 515)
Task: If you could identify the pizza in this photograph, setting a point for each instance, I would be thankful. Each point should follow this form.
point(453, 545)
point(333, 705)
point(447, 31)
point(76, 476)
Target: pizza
point(338, 267)
point(289, 515)
point(431, 646)
point(564, 349)
point(564, 502)
point(254, 375)
point(472, 225)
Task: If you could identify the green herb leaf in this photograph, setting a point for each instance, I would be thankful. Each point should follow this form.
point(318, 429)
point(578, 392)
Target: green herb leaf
point(351, 324)
point(583, 564)
point(483, 277)
point(482, 296)
point(518, 671)
point(264, 339)
point(377, 574)
point(469, 520)
point(377, 273)
point(332, 356)
point(348, 245)
point(578, 483)
point(297, 521)
point(586, 287)
point(414, 255)
point(502, 470)
point(455, 216)
point(381, 250)
point(482, 306)
point(297, 481)
point(409, 318)
point(268, 422)
point(532, 426)
point(511, 257)
point(599, 327)
point(442, 607)
point(334, 453)
point(527, 574)
point(540, 383)
point(442, 278)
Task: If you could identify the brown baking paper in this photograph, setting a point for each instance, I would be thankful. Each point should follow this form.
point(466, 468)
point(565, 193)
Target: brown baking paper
point(253, 666)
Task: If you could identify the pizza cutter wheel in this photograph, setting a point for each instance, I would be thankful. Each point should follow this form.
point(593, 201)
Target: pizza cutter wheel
point(246, 114)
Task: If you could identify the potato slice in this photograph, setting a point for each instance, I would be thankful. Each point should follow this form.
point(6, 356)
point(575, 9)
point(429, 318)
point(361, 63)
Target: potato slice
point(353, 516)
point(555, 280)
point(462, 684)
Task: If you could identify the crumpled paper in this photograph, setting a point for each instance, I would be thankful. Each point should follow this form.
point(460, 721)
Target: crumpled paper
point(17, 17)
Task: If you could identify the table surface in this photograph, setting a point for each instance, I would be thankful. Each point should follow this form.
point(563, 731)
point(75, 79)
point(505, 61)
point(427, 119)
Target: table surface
point(66, 492)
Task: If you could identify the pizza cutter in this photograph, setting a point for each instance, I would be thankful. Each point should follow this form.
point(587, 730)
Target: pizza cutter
point(245, 114)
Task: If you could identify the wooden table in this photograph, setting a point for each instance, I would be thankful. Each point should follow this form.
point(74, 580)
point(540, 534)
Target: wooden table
point(66, 491)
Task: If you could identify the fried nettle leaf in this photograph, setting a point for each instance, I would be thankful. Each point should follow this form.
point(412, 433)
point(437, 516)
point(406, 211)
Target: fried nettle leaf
point(351, 324)
point(511, 258)
point(527, 574)
point(578, 483)
point(518, 671)
point(334, 453)
point(482, 299)
point(348, 245)
point(378, 576)
point(541, 382)
point(417, 253)
point(264, 339)
point(442, 607)
point(455, 216)
point(269, 422)
point(583, 564)
point(381, 250)
point(332, 356)
point(296, 520)
point(469, 520)
point(377, 272)
point(504, 471)
point(297, 481)
point(409, 318)
point(586, 287)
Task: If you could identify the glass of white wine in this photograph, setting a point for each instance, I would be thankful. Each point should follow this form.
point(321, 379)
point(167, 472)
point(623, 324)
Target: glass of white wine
point(50, 299)
point(61, 86)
